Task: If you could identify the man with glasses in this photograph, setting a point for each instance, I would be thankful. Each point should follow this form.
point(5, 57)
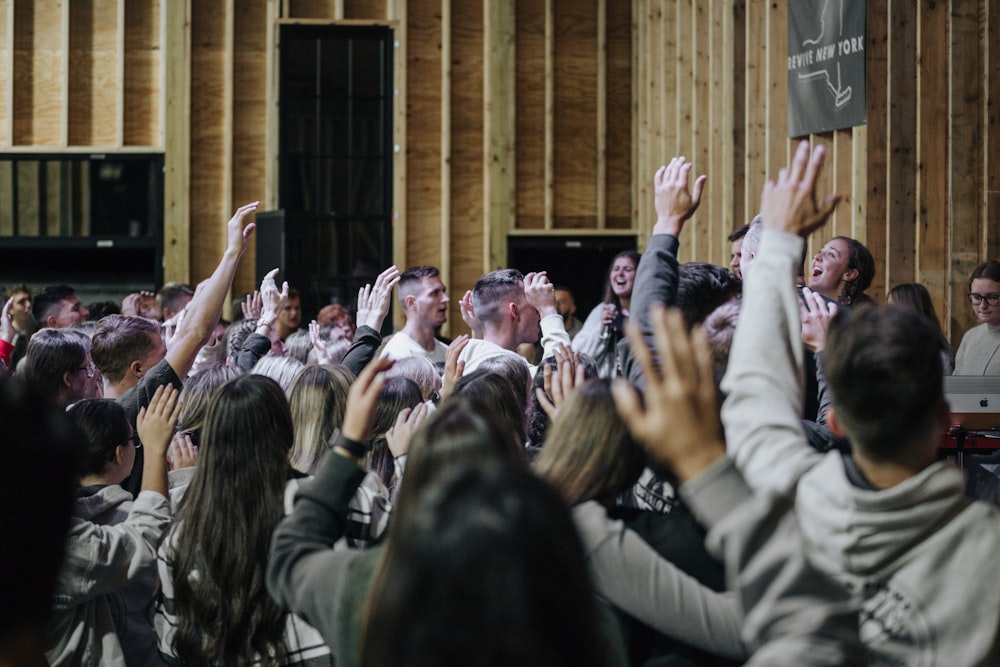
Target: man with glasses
point(979, 353)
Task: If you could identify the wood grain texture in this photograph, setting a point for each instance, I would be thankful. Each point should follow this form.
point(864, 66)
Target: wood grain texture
point(530, 115)
point(142, 85)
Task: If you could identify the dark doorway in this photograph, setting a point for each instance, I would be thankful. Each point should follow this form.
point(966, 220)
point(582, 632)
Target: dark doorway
point(579, 262)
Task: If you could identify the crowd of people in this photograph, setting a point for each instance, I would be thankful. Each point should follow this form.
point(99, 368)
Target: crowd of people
point(716, 466)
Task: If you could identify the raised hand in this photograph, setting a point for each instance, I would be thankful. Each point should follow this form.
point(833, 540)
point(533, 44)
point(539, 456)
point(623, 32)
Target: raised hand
point(252, 305)
point(469, 315)
point(322, 354)
point(540, 293)
point(789, 204)
point(155, 423)
point(453, 367)
point(673, 200)
point(399, 435)
point(238, 235)
point(183, 453)
point(817, 313)
point(679, 421)
point(272, 301)
point(7, 322)
point(373, 301)
point(569, 375)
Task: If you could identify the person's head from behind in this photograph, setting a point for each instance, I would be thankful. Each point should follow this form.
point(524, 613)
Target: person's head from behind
point(58, 366)
point(397, 394)
point(38, 482)
point(516, 372)
point(588, 453)
point(883, 367)
point(495, 390)
point(196, 396)
point(173, 297)
point(423, 296)
point(281, 369)
point(298, 346)
point(317, 399)
point(720, 327)
point(702, 287)
point(751, 245)
point(126, 347)
point(915, 297)
point(984, 293)
point(469, 558)
point(57, 307)
point(419, 369)
point(224, 536)
point(107, 451)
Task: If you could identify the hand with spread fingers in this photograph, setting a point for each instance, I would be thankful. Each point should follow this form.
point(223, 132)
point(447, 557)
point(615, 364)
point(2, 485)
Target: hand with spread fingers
point(789, 203)
point(674, 201)
point(678, 422)
point(373, 300)
point(316, 336)
point(559, 384)
point(252, 305)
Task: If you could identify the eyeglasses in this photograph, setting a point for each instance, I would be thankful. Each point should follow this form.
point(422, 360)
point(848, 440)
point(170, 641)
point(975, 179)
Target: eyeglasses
point(91, 369)
point(976, 299)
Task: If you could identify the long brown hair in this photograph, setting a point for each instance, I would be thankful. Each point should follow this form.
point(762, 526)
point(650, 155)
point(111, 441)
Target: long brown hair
point(225, 614)
point(588, 452)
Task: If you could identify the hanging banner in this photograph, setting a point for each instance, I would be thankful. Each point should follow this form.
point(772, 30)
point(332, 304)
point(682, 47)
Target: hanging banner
point(826, 65)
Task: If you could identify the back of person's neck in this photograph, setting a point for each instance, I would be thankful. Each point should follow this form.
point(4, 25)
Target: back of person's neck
point(116, 389)
point(502, 336)
point(887, 474)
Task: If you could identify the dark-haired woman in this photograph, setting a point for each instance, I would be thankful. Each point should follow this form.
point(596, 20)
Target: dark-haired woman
point(213, 608)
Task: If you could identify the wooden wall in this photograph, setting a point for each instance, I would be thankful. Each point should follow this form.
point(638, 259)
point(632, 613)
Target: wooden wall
point(527, 118)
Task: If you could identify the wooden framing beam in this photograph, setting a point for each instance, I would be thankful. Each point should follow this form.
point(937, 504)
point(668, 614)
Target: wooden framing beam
point(550, 96)
point(271, 131)
point(601, 179)
point(65, 76)
point(175, 102)
point(120, 92)
point(445, 227)
point(498, 137)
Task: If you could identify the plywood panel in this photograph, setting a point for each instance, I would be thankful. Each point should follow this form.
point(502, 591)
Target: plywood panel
point(312, 9)
point(143, 52)
point(530, 114)
point(209, 201)
point(755, 80)
point(249, 120)
point(901, 138)
point(841, 164)
point(777, 88)
point(991, 87)
point(38, 66)
point(706, 229)
point(365, 9)
point(6, 47)
point(498, 128)
point(467, 233)
point(876, 134)
point(683, 108)
point(932, 154)
point(619, 108)
point(575, 113)
point(423, 119)
point(93, 70)
point(734, 114)
point(966, 158)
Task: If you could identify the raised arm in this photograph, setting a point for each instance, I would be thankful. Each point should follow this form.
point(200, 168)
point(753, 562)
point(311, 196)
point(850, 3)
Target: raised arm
point(763, 384)
point(541, 294)
point(205, 308)
point(657, 274)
